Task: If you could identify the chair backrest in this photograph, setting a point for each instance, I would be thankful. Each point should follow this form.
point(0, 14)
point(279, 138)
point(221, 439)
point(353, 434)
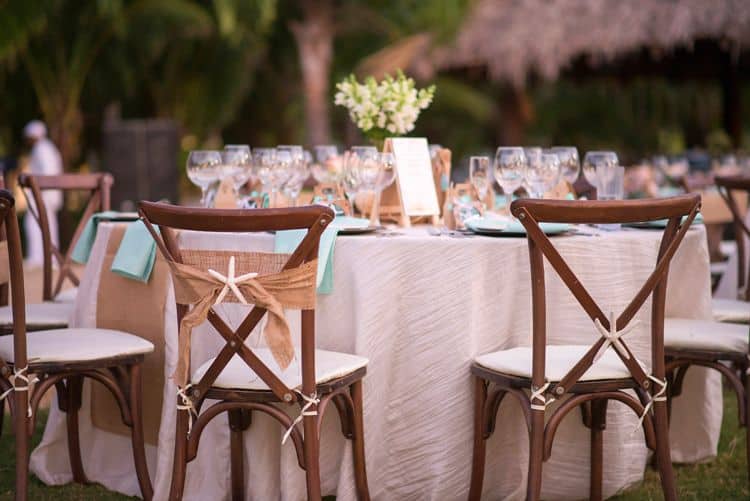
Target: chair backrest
point(13, 272)
point(97, 185)
point(314, 219)
point(533, 212)
point(727, 188)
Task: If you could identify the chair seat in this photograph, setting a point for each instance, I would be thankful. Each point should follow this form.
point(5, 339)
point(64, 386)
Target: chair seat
point(559, 360)
point(730, 310)
point(683, 333)
point(76, 345)
point(47, 314)
point(329, 365)
point(67, 295)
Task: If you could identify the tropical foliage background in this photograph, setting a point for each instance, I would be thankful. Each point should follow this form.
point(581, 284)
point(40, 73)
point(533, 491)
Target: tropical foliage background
point(263, 72)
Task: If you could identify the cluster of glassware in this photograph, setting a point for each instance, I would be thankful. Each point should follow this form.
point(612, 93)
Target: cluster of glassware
point(286, 168)
point(539, 170)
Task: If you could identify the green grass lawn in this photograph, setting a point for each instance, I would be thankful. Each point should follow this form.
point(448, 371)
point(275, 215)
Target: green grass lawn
point(723, 478)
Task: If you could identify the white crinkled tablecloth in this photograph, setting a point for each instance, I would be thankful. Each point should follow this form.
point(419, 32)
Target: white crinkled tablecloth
point(421, 307)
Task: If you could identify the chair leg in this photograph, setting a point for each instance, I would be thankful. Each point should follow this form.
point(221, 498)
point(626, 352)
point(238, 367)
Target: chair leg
point(747, 422)
point(358, 442)
point(239, 421)
point(74, 389)
point(480, 443)
point(139, 447)
point(23, 441)
point(663, 455)
point(312, 457)
point(179, 465)
point(598, 424)
point(536, 456)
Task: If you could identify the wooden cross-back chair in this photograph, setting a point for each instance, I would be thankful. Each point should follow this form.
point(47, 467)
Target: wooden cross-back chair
point(98, 185)
point(31, 363)
point(588, 375)
point(722, 344)
point(738, 309)
point(325, 376)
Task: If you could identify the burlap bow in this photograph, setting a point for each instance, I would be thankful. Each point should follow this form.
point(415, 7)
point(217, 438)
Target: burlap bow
point(293, 288)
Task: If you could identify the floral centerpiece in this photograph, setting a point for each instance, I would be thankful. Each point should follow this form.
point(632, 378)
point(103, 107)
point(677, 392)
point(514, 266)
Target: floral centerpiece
point(383, 109)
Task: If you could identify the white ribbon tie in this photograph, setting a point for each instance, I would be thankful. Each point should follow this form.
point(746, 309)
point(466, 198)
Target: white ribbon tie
point(25, 386)
point(309, 402)
point(538, 394)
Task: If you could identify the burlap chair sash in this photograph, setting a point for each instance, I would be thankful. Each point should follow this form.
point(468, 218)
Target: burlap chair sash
point(272, 289)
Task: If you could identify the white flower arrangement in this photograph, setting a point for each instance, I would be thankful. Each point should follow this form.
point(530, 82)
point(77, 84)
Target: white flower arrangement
point(386, 108)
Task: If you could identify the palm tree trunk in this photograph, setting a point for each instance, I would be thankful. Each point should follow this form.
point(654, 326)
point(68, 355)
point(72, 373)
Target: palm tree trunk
point(314, 37)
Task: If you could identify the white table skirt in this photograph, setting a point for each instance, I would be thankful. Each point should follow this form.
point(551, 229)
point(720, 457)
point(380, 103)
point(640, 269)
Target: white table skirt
point(421, 308)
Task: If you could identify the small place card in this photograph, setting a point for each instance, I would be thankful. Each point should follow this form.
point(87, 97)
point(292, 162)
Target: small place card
point(415, 179)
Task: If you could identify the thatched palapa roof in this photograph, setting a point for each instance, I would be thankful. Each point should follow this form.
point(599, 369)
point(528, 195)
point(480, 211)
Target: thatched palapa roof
point(514, 38)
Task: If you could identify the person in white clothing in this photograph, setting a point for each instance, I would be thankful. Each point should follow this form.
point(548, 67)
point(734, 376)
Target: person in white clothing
point(44, 160)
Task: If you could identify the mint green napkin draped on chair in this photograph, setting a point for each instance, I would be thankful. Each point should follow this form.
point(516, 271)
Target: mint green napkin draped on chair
point(137, 253)
point(288, 240)
point(82, 250)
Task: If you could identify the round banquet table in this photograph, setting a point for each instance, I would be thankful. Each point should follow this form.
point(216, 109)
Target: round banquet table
point(420, 308)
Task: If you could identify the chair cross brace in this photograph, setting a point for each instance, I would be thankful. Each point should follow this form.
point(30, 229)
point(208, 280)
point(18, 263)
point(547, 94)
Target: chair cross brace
point(670, 243)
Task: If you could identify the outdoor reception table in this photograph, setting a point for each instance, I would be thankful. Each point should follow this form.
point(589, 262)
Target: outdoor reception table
point(420, 307)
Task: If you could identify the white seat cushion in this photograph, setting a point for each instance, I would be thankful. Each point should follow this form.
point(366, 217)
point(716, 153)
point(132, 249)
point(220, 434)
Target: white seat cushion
point(76, 345)
point(705, 335)
point(237, 374)
point(730, 310)
point(559, 360)
point(67, 296)
point(40, 314)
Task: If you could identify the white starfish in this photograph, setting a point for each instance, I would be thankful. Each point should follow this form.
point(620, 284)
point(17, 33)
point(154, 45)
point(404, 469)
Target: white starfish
point(230, 282)
point(612, 337)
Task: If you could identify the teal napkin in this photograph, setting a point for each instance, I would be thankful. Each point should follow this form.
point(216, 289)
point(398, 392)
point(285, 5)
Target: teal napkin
point(82, 250)
point(288, 240)
point(137, 253)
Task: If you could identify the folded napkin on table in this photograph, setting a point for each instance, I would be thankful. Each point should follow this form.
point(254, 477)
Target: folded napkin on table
point(288, 240)
point(137, 253)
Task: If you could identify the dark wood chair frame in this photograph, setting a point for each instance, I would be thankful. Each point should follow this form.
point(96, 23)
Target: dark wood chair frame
point(734, 366)
point(491, 387)
point(99, 185)
point(120, 375)
point(344, 392)
point(727, 187)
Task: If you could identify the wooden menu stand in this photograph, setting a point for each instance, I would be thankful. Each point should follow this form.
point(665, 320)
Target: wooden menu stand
point(390, 204)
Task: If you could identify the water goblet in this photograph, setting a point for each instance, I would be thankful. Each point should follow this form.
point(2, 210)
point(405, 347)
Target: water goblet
point(202, 168)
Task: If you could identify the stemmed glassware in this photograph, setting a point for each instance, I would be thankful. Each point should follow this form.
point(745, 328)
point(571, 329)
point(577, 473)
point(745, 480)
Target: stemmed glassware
point(542, 174)
point(298, 174)
point(569, 163)
point(237, 165)
point(510, 170)
point(598, 168)
point(328, 167)
point(386, 176)
point(479, 174)
point(263, 164)
point(203, 170)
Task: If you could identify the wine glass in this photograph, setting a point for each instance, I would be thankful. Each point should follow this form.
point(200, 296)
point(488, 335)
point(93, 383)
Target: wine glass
point(328, 167)
point(367, 162)
point(510, 170)
point(203, 170)
point(479, 174)
point(298, 174)
point(350, 179)
point(597, 162)
point(236, 163)
point(263, 162)
point(386, 176)
point(569, 163)
point(280, 172)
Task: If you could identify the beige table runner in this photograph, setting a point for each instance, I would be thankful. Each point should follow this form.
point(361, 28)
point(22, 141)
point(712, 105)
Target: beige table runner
point(137, 308)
